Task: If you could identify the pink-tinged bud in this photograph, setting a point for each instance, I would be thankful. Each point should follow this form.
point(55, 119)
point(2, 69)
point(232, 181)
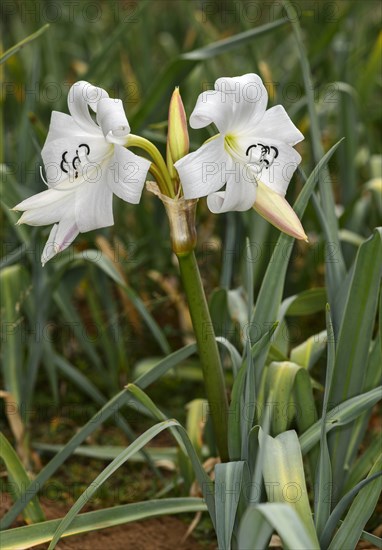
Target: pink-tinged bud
point(177, 137)
point(277, 210)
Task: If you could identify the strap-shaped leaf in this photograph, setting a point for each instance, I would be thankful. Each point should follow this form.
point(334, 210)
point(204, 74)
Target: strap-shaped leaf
point(260, 521)
point(228, 485)
point(354, 342)
point(134, 447)
point(32, 535)
point(323, 480)
point(284, 476)
point(340, 416)
point(19, 480)
point(242, 404)
point(363, 499)
point(112, 407)
point(270, 294)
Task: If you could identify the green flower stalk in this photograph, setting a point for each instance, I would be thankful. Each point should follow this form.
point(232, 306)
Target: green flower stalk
point(181, 216)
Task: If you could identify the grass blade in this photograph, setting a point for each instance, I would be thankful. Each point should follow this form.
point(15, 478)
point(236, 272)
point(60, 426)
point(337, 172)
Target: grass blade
point(337, 273)
point(32, 535)
point(241, 408)
point(13, 282)
point(260, 521)
point(363, 499)
point(17, 47)
point(354, 342)
point(270, 294)
point(185, 445)
point(111, 407)
point(228, 482)
point(105, 474)
point(323, 481)
point(340, 416)
point(283, 469)
point(19, 480)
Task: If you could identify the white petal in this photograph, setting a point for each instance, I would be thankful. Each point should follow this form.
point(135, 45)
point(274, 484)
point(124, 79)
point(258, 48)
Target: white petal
point(213, 106)
point(61, 236)
point(240, 195)
point(83, 95)
point(60, 153)
point(204, 171)
point(94, 203)
point(277, 124)
point(126, 174)
point(112, 120)
point(249, 97)
point(63, 125)
point(279, 174)
point(45, 208)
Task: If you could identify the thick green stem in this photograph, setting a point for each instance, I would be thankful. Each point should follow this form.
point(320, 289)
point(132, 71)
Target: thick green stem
point(208, 349)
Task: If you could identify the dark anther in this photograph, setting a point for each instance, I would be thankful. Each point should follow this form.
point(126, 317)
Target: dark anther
point(74, 161)
point(265, 148)
point(249, 148)
point(64, 161)
point(87, 148)
point(276, 151)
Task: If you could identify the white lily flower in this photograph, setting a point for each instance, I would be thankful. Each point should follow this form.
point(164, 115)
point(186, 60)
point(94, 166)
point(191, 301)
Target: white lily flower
point(85, 162)
point(252, 156)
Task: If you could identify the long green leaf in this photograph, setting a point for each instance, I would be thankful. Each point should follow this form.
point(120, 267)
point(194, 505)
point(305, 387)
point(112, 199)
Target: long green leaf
point(307, 353)
point(107, 452)
point(363, 464)
point(363, 499)
point(260, 521)
point(228, 483)
point(111, 407)
point(335, 270)
point(354, 342)
point(105, 474)
point(241, 408)
point(164, 365)
point(372, 379)
point(184, 442)
point(17, 47)
point(307, 302)
point(13, 282)
point(270, 294)
point(284, 476)
point(340, 416)
point(323, 480)
point(280, 380)
point(19, 480)
point(32, 535)
point(134, 447)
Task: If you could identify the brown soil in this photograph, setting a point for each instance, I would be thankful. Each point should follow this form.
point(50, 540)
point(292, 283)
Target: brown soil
point(163, 533)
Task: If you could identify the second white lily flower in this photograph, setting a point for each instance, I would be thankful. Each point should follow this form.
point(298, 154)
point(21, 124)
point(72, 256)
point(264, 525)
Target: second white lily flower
point(252, 156)
point(85, 163)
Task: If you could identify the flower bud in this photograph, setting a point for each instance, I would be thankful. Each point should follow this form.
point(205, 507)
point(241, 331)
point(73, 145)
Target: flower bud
point(177, 138)
point(276, 209)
